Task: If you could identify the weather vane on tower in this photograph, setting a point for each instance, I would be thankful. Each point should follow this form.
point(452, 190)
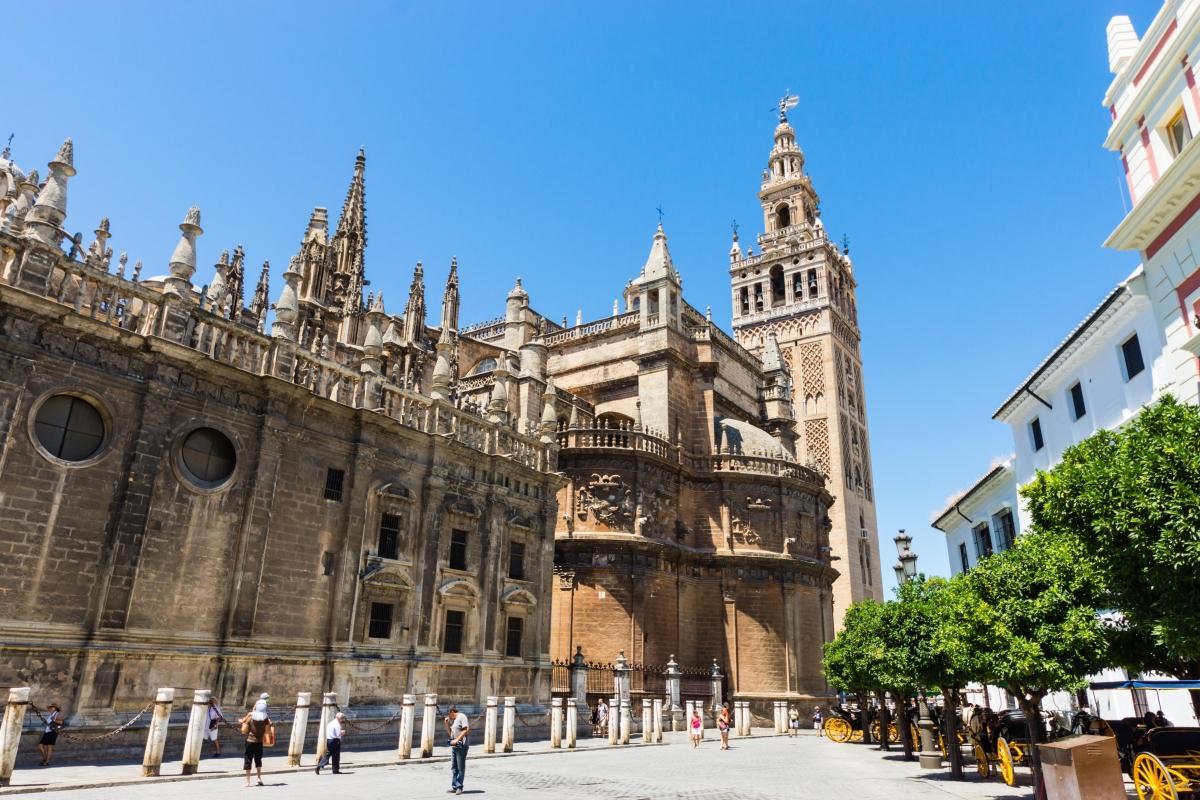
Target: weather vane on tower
point(788, 100)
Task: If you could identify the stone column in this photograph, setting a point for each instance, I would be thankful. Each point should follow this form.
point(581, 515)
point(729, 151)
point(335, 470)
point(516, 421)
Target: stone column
point(621, 676)
point(428, 720)
point(673, 675)
point(688, 708)
point(328, 711)
point(156, 737)
point(626, 720)
point(747, 723)
point(572, 723)
point(10, 731)
point(579, 677)
point(509, 735)
point(556, 719)
point(647, 722)
point(197, 727)
point(299, 728)
point(407, 714)
point(737, 717)
point(614, 720)
point(658, 708)
point(715, 685)
point(489, 727)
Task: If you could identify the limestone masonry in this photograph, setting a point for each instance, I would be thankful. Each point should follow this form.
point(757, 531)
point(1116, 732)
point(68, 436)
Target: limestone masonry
point(318, 494)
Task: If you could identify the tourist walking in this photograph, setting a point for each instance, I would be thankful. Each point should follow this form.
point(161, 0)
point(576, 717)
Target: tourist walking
point(723, 723)
point(334, 732)
point(696, 728)
point(817, 720)
point(793, 721)
point(54, 721)
point(600, 718)
point(256, 725)
point(215, 718)
point(458, 731)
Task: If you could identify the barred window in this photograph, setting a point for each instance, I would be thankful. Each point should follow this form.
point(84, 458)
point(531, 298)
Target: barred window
point(452, 638)
point(516, 561)
point(381, 621)
point(513, 634)
point(334, 478)
point(389, 536)
point(458, 549)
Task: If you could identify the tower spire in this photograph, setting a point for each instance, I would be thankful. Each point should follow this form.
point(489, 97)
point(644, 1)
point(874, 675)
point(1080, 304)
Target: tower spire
point(350, 241)
point(450, 298)
point(414, 309)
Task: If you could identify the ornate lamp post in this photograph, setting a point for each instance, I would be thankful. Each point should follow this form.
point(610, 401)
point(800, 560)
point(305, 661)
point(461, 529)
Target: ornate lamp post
point(906, 570)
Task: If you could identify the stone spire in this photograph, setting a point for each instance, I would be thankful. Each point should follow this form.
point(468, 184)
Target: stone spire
point(443, 373)
point(218, 288)
point(659, 263)
point(237, 282)
point(498, 405)
point(350, 239)
point(373, 343)
point(772, 357)
point(450, 298)
point(735, 250)
point(414, 309)
point(258, 304)
point(549, 413)
point(99, 254)
point(287, 307)
point(183, 260)
point(45, 219)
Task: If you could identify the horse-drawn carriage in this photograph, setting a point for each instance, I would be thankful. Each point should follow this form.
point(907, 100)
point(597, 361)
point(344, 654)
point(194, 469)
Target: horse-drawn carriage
point(843, 724)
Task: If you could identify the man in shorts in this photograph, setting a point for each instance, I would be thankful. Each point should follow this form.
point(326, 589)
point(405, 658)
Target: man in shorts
point(215, 718)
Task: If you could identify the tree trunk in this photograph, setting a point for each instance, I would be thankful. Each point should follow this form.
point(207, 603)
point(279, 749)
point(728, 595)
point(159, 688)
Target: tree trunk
point(884, 718)
point(1035, 730)
point(950, 722)
point(864, 715)
point(905, 725)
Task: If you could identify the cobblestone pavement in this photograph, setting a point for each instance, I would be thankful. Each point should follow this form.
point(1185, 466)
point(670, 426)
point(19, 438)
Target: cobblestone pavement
point(766, 768)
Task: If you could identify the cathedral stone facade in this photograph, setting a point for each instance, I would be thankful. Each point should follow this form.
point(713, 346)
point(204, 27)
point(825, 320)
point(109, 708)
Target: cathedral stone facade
point(316, 493)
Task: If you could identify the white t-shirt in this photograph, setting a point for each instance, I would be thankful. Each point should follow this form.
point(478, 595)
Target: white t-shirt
point(333, 730)
point(458, 725)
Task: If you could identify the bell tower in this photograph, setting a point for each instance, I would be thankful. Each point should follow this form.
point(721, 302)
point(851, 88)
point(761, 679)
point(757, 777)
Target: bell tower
point(799, 290)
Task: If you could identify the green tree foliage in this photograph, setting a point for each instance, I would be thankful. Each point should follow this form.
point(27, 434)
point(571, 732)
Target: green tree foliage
point(1028, 619)
point(1132, 497)
point(852, 659)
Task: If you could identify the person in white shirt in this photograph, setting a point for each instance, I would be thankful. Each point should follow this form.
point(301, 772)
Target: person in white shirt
point(333, 744)
point(215, 718)
point(458, 730)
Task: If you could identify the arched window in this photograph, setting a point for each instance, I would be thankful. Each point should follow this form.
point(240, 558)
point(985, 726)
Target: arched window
point(778, 288)
point(783, 217)
point(486, 365)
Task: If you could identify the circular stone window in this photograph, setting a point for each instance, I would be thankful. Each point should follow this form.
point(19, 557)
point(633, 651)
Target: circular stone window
point(208, 457)
point(69, 427)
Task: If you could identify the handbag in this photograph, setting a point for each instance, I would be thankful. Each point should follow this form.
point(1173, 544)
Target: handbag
point(245, 726)
point(269, 736)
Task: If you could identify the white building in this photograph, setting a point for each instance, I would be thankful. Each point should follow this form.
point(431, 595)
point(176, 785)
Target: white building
point(981, 520)
point(1154, 103)
point(1099, 377)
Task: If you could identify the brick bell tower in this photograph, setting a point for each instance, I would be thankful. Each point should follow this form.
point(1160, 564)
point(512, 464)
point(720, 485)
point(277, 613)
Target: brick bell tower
point(800, 287)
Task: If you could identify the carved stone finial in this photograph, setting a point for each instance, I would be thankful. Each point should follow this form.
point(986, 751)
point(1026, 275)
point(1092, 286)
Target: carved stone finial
point(183, 260)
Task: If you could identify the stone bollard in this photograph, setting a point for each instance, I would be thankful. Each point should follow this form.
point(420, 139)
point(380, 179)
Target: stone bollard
point(657, 710)
point(647, 720)
point(626, 720)
point(508, 735)
point(428, 721)
point(775, 717)
point(747, 720)
point(299, 728)
point(614, 721)
point(572, 723)
point(688, 708)
point(737, 717)
point(489, 727)
point(156, 737)
point(196, 730)
point(556, 722)
point(10, 731)
point(328, 711)
point(407, 714)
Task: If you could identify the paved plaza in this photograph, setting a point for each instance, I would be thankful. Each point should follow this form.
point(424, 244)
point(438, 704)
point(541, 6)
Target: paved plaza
point(760, 768)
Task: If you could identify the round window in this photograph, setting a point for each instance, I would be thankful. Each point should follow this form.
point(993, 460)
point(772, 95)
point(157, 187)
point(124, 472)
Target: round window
point(208, 456)
point(69, 427)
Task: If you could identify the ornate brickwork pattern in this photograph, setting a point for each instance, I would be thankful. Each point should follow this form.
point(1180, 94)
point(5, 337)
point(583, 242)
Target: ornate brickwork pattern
point(816, 439)
point(812, 370)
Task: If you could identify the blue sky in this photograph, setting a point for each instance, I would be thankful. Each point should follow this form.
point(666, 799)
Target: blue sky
point(957, 144)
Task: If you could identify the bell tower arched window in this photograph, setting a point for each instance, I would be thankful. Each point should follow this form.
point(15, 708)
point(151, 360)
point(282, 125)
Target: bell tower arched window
point(778, 290)
point(783, 217)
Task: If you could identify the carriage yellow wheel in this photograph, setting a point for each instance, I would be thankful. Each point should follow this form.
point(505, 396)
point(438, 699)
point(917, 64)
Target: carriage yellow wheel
point(914, 737)
point(1005, 756)
point(837, 729)
point(981, 761)
point(1152, 779)
point(856, 735)
point(893, 732)
point(942, 744)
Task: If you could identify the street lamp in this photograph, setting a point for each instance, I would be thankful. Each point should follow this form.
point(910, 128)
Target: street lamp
point(906, 570)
